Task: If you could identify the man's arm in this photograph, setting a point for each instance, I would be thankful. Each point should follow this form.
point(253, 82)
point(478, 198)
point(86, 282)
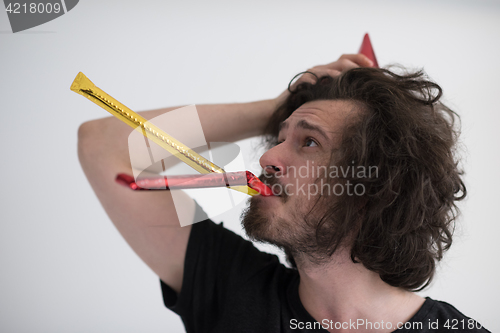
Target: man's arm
point(148, 219)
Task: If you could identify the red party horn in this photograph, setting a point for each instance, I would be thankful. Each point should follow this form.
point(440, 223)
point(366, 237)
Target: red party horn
point(240, 178)
point(367, 49)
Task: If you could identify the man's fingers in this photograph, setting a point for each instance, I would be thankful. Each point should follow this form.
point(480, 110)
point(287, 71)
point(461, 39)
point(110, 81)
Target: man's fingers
point(306, 77)
point(345, 62)
point(321, 71)
point(333, 72)
point(359, 59)
point(334, 69)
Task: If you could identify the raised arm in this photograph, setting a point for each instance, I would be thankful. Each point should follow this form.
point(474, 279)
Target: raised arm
point(148, 219)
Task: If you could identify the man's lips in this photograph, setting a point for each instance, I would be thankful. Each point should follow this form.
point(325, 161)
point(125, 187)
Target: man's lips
point(257, 184)
point(277, 189)
point(272, 183)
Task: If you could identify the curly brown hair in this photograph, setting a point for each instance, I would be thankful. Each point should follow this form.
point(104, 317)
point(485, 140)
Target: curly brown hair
point(405, 220)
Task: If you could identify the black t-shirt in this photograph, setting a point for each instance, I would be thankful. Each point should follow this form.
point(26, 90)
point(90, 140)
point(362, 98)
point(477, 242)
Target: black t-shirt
point(230, 286)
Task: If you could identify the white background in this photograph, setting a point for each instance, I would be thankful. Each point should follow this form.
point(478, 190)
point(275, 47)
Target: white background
point(64, 267)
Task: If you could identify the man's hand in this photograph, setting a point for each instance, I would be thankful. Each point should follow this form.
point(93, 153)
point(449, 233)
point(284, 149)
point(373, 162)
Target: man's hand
point(333, 69)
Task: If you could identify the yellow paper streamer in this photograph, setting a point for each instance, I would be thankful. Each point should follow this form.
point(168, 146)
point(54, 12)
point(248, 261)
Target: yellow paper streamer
point(83, 86)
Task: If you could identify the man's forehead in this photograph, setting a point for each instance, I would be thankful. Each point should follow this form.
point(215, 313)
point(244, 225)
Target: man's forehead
point(329, 114)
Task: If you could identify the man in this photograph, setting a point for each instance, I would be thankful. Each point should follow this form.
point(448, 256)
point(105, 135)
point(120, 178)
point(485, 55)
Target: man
point(362, 228)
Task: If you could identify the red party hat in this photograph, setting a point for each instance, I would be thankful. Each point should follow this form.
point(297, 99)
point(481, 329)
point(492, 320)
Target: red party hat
point(367, 49)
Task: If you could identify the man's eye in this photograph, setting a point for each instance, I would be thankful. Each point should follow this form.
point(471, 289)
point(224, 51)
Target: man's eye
point(311, 143)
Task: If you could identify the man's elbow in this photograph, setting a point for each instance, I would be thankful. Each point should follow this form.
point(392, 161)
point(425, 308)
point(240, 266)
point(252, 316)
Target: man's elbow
point(87, 139)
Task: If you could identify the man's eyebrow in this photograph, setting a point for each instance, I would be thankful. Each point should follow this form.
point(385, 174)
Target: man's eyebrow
point(283, 125)
point(305, 125)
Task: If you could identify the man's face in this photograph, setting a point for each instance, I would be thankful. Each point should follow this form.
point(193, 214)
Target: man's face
point(306, 142)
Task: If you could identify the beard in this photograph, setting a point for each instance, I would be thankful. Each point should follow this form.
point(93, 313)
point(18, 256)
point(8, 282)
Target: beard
point(296, 234)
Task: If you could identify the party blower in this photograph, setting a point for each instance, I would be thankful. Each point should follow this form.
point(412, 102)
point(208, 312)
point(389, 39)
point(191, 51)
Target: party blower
point(244, 182)
point(213, 176)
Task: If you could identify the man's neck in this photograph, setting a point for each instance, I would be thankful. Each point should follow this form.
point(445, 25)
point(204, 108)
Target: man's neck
point(342, 291)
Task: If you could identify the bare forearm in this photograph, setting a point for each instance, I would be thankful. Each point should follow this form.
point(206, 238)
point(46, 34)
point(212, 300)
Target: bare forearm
point(233, 122)
point(220, 122)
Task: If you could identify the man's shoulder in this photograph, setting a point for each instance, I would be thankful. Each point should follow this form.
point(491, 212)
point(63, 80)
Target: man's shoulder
point(233, 253)
point(221, 269)
point(440, 316)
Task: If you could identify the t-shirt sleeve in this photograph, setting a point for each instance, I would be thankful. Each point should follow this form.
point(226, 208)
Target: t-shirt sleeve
point(218, 262)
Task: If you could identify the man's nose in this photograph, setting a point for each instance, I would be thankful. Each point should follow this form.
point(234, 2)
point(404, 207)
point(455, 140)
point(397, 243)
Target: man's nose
point(273, 161)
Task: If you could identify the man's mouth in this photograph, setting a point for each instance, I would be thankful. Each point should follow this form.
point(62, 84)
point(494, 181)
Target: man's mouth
point(277, 189)
point(273, 184)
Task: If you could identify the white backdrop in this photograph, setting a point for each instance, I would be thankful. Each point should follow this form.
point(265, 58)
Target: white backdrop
point(64, 267)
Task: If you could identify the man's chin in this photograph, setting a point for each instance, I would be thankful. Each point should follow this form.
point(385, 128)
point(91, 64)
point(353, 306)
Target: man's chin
point(260, 224)
point(251, 217)
point(256, 221)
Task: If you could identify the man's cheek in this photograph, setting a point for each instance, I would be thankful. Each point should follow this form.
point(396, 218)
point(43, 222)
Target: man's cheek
point(288, 190)
point(301, 189)
point(312, 191)
point(279, 174)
